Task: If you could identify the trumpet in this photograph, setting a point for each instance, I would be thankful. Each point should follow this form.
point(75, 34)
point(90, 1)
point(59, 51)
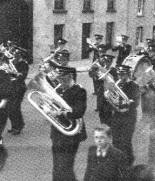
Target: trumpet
point(47, 101)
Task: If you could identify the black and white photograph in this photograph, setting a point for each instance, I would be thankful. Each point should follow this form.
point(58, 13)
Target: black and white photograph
point(77, 98)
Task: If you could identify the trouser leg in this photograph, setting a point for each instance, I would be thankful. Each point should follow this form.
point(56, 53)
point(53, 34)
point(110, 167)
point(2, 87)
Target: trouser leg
point(122, 138)
point(3, 120)
point(15, 113)
point(63, 164)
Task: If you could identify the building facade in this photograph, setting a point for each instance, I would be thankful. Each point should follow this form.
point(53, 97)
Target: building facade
point(77, 20)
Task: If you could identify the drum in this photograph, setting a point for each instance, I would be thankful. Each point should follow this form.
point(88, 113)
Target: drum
point(141, 69)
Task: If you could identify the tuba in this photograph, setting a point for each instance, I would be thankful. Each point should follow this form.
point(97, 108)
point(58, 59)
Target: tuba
point(47, 101)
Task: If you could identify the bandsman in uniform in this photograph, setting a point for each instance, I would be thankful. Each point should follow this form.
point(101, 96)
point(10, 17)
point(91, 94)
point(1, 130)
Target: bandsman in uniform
point(65, 147)
point(21, 64)
point(60, 54)
point(95, 48)
point(123, 124)
point(104, 107)
point(62, 57)
point(151, 50)
point(123, 49)
point(6, 93)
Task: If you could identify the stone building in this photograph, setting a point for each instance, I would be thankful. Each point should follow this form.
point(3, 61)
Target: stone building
point(80, 19)
point(16, 22)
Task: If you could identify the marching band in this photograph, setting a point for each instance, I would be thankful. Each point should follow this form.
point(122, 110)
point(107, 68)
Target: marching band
point(62, 101)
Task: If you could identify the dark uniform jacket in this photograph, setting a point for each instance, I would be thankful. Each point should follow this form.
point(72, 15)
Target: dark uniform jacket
point(76, 98)
point(123, 52)
point(6, 86)
point(109, 168)
point(19, 83)
point(131, 89)
point(123, 123)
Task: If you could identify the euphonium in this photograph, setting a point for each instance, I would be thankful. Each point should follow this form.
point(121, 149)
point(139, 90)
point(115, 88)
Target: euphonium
point(47, 101)
point(117, 98)
point(113, 93)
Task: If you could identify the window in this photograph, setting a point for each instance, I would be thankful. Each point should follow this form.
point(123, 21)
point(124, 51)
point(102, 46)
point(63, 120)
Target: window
point(140, 8)
point(109, 33)
point(87, 6)
point(139, 35)
point(86, 29)
point(154, 8)
point(58, 32)
point(59, 4)
point(111, 6)
point(153, 33)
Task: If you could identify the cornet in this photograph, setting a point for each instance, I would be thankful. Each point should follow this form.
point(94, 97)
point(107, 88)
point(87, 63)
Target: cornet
point(47, 101)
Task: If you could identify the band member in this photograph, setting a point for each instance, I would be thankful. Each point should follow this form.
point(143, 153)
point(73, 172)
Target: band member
point(123, 49)
point(123, 124)
point(14, 105)
point(104, 107)
point(141, 172)
point(62, 57)
point(95, 48)
point(105, 162)
point(55, 53)
point(6, 92)
point(151, 50)
point(65, 147)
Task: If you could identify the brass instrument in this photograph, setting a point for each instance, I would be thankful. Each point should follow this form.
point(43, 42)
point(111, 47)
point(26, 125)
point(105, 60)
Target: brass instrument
point(117, 98)
point(51, 56)
point(91, 43)
point(113, 93)
point(7, 62)
point(119, 41)
point(47, 101)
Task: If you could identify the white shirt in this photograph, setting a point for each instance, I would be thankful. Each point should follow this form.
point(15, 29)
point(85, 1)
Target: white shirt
point(101, 152)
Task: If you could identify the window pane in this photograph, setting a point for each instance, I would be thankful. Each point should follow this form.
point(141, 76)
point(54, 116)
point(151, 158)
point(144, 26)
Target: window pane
point(110, 4)
point(109, 33)
point(58, 32)
point(139, 35)
point(153, 32)
point(87, 4)
point(59, 4)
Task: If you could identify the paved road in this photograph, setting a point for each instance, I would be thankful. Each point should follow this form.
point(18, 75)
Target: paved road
point(29, 155)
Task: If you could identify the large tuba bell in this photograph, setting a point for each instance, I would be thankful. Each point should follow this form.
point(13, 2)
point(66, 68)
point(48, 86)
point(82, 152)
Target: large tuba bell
point(47, 101)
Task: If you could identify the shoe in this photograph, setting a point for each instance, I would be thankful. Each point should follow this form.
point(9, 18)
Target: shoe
point(10, 130)
point(14, 131)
